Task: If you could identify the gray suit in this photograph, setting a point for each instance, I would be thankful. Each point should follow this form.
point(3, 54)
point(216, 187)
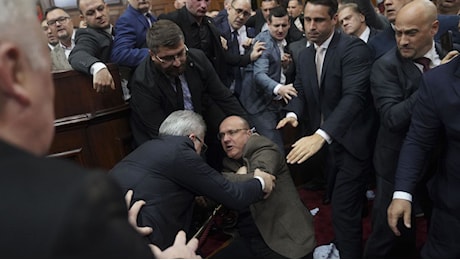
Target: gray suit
point(285, 224)
point(259, 81)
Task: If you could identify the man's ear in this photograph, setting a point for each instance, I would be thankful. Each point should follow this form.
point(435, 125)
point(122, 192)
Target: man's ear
point(12, 74)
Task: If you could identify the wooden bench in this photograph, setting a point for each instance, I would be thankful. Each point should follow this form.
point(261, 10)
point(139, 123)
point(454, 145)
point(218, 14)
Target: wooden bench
point(91, 128)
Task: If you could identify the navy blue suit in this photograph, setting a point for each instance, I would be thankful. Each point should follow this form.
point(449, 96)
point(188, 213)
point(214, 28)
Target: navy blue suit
point(342, 107)
point(129, 46)
point(435, 119)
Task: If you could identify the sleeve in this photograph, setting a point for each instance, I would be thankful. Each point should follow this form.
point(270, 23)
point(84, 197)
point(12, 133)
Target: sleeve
point(261, 70)
point(394, 108)
point(124, 51)
point(86, 50)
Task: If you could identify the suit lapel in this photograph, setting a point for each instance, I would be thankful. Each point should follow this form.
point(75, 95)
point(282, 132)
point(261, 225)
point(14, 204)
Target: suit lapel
point(330, 53)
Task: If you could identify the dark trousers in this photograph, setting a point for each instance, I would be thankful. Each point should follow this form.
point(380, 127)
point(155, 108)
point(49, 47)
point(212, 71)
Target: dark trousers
point(265, 123)
point(382, 242)
point(443, 236)
point(347, 200)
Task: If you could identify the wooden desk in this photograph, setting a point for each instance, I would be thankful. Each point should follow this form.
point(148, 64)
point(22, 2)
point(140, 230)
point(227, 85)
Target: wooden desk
point(91, 128)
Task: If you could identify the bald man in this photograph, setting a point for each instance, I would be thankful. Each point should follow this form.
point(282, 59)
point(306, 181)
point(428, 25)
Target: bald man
point(395, 79)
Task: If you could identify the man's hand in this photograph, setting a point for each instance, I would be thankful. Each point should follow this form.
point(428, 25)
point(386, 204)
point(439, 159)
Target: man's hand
point(449, 56)
point(179, 249)
point(286, 60)
point(247, 43)
point(287, 92)
point(257, 51)
point(133, 212)
point(305, 148)
point(268, 179)
point(103, 80)
point(397, 209)
point(223, 41)
point(287, 120)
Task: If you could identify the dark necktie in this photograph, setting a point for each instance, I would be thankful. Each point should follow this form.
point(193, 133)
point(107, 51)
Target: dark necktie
point(235, 49)
point(179, 93)
point(425, 62)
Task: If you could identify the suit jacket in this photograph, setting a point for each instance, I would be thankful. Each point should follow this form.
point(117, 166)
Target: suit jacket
point(168, 173)
point(282, 219)
point(256, 21)
point(153, 98)
point(394, 86)
point(218, 57)
point(222, 25)
point(91, 46)
point(261, 78)
point(435, 114)
point(129, 44)
point(56, 209)
point(343, 100)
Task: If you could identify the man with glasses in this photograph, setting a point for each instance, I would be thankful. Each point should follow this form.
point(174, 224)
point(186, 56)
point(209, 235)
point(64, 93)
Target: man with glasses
point(94, 44)
point(52, 39)
point(61, 26)
point(168, 172)
point(278, 227)
point(175, 79)
point(239, 39)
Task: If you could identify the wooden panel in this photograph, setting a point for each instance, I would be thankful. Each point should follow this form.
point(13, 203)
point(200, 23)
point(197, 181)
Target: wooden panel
point(91, 128)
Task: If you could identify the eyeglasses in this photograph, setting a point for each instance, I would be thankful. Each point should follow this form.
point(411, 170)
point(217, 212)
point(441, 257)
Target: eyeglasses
point(241, 12)
point(204, 148)
point(61, 20)
point(229, 133)
point(172, 58)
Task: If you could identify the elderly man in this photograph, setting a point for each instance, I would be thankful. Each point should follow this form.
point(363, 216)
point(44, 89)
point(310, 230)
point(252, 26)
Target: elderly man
point(353, 22)
point(168, 172)
point(94, 44)
point(261, 234)
point(55, 209)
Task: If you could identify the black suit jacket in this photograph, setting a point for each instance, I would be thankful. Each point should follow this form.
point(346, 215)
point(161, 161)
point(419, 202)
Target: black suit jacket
point(153, 97)
point(343, 98)
point(91, 46)
point(435, 114)
point(56, 209)
point(168, 173)
point(219, 58)
point(256, 21)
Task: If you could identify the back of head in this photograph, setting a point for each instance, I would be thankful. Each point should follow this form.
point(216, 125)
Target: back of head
point(164, 33)
point(183, 123)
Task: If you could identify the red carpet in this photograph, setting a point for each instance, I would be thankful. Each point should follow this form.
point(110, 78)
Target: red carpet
point(322, 222)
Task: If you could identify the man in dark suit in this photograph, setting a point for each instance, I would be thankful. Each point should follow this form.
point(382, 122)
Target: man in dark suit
point(395, 79)
point(340, 110)
point(296, 31)
point(50, 208)
point(129, 46)
point(259, 20)
point(239, 39)
point(94, 44)
point(353, 22)
point(168, 172)
point(278, 227)
point(200, 33)
point(435, 119)
point(175, 78)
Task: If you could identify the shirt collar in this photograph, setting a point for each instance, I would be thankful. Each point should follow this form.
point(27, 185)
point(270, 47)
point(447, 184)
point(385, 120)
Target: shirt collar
point(326, 43)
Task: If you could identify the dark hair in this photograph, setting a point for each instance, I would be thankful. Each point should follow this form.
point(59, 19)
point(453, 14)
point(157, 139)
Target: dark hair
point(277, 12)
point(332, 4)
point(52, 8)
point(164, 33)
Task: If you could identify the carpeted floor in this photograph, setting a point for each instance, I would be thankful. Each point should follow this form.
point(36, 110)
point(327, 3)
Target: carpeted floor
point(322, 222)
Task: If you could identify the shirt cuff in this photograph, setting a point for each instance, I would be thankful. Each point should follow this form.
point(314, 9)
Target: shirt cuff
point(262, 182)
point(324, 135)
point(96, 67)
point(402, 195)
point(275, 90)
point(291, 114)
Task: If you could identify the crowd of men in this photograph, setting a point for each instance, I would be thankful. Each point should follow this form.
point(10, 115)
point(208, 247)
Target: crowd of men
point(375, 97)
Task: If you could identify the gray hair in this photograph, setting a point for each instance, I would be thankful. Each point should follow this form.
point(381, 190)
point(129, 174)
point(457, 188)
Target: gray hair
point(164, 33)
point(183, 123)
point(19, 24)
